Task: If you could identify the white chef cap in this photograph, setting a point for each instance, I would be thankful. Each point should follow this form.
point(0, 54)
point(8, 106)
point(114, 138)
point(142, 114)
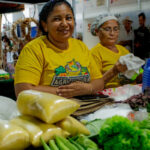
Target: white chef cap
point(103, 19)
point(99, 21)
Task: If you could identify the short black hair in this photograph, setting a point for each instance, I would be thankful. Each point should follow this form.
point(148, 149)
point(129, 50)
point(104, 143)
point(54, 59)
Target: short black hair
point(48, 8)
point(142, 15)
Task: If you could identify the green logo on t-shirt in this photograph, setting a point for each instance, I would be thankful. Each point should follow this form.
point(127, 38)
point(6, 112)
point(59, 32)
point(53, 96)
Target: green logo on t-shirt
point(72, 72)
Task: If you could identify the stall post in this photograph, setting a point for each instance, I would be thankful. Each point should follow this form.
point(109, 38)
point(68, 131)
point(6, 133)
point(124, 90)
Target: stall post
point(0, 42)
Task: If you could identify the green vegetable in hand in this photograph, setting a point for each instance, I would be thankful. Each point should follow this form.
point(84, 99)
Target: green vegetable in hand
point(119, 133)
point(53, 145)
point(46, 147)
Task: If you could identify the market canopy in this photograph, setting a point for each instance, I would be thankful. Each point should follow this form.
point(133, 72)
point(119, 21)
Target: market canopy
point(24, 1)
point(8, 7)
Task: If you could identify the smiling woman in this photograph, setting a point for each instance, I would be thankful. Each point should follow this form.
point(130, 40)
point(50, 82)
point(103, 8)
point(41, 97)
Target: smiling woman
point(55, 62)
point(59, 25)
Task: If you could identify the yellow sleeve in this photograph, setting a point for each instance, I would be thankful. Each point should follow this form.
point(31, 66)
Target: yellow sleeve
point(29, 66)
point(97, 59)
point(95, 72)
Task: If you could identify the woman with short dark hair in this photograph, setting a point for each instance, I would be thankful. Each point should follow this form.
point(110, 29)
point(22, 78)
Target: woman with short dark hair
point(55, 62)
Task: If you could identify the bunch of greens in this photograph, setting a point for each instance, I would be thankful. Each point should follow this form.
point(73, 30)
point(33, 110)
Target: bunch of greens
point(145, 124)
point(119, 133)
point(79, 142)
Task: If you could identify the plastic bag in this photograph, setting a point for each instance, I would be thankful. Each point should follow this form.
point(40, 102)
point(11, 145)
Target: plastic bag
point(133, 64)
point(8, 108)
point(37, 129)
point(108, 111)
point(73, 126)
point(123, 92)
point(48, 107)
point(12, 137)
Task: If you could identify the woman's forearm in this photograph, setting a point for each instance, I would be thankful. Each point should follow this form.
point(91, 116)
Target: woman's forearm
point(110, 74)
point(117, 68)
point(71, 90)
point(97, 85)
point(43, 88)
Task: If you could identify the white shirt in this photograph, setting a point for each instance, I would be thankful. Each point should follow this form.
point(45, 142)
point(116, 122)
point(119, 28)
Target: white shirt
point(124, 36)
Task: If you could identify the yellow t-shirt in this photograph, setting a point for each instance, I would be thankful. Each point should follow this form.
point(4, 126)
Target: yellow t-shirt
point(105, 60)
point(41, 63)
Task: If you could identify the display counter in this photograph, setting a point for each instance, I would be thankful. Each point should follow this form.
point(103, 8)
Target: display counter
point(107, 102)
point(116, 107)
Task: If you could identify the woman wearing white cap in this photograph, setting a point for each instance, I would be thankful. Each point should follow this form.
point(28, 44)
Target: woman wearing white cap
point(107, 52)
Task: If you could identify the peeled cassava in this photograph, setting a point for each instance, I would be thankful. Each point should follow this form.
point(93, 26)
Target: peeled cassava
point(73, 126)
point(47, 107)
point(13, 137)
point(37, 129)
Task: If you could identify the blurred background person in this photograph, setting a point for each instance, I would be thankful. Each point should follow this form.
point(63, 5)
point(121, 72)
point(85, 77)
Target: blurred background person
point(126, 35)
point(142, 39)
point(8, 55)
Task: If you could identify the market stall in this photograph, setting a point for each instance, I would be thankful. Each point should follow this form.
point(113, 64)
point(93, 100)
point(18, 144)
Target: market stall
point(6, 80)
point(112, 119)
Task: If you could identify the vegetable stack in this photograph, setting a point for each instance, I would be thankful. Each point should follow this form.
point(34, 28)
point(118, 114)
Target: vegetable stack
point(80, 142)
point(120, 133)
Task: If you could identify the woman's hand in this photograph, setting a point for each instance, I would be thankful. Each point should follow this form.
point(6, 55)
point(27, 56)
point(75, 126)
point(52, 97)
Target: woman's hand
point(119, 67)
point(75, 89)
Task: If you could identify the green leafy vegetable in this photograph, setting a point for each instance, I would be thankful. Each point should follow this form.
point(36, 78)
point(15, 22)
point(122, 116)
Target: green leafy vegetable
point(145, 124)
point(94, 126)
point(119, 133)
